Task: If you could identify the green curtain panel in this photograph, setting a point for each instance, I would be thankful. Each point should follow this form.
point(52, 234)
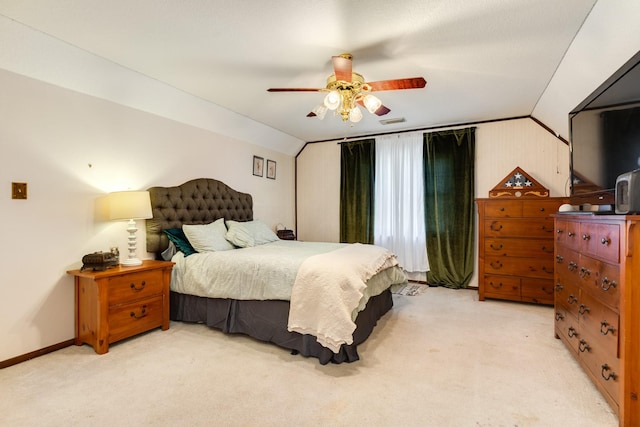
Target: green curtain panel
point(449, 206)
point(357, 178)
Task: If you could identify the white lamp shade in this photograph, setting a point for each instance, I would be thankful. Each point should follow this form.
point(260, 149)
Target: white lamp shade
point(129, 205)
point(372, 103)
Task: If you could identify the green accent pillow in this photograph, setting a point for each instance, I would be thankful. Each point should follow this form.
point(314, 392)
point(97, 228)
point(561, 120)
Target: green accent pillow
point(177, 236)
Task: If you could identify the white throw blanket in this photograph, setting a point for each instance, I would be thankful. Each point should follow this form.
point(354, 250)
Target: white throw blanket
point(329, 287)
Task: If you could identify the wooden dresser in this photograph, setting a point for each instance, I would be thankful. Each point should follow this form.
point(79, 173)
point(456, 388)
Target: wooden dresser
point(597, 303)
point(515, 253)
point(121, 302)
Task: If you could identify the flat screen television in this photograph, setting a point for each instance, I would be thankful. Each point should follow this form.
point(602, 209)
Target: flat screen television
point(604, 136)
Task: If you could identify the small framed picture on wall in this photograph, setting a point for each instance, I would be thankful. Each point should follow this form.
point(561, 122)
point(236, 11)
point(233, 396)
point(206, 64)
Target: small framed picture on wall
point(271, 169)
point(258, 166)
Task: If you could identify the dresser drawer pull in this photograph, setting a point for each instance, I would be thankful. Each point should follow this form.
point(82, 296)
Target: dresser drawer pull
point(605, 328)
point(541, 209)
point(586, 237)
point(606, 374)
point(493, 285)
point(583, 309)
point(559, 259)
point(544, 268)
point(558, 287)
point(143, 313)
point(493, 226)
point(584, 272)
point(571, 234)
point(605, 241)
point(572, 299)
point(495, 248)
point(607, 284)
point(496, 264)
point(572, 332)
point(134, 288)
point(559, 316)
point(559, 231)
point(545, 228)
point(547, 250)
point(572, 266)
point(583, 346)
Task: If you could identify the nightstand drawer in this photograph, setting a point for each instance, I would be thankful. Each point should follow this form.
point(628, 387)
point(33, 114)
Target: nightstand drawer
point(131, 319)
point(134, 286)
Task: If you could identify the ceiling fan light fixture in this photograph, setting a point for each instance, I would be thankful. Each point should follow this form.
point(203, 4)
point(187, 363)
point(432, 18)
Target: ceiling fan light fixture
point(355, 115)
point(332, 100)
point(372, 103)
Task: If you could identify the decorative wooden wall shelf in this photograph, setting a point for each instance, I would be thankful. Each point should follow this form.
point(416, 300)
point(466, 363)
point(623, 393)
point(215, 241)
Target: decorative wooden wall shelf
point(518, 184)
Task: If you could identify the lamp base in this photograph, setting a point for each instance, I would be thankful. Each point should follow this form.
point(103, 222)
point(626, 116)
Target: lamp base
point(130, 262)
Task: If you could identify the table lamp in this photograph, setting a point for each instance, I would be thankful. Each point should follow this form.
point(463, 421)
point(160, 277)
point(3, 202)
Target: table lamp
point(130, 205)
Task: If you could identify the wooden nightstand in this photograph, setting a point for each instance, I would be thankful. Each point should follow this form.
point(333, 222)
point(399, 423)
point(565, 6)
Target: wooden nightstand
point(120, 302)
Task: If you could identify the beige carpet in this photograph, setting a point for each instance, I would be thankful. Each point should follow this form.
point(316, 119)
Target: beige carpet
point(438, 359)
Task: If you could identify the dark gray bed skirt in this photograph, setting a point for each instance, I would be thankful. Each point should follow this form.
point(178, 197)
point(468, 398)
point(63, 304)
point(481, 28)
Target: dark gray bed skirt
point(267, 321)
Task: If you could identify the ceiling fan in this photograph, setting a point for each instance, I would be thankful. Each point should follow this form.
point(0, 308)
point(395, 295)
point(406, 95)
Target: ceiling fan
point(348, 89)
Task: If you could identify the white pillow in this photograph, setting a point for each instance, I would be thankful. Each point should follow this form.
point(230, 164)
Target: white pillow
point(250, 233)
point(208, 237)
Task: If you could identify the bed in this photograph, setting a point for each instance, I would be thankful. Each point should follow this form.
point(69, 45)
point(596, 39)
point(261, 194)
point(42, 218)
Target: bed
point(202, 203)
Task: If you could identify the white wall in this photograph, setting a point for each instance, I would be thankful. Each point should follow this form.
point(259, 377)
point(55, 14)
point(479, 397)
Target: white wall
point(608, 38)
point(71, 149)
point(500, 148)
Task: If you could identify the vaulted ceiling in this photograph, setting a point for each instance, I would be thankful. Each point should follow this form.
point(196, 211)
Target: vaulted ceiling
point(482, 59)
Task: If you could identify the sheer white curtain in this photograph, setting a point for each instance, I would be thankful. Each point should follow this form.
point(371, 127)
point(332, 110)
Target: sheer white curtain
point(399, 199)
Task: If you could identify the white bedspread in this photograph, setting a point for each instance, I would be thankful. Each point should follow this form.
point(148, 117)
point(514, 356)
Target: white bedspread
point(328, 289)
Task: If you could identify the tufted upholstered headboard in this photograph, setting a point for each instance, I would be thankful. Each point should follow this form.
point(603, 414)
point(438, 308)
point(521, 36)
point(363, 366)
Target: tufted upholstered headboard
point(199, 201)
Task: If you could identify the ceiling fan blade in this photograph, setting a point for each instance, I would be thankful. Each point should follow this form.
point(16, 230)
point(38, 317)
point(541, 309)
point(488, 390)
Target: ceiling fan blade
point(410, 83)
point(293, 89)
point(382, 110)
point(343, 67)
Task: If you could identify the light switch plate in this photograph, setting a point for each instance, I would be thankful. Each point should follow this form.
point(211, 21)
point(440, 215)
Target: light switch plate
point(18, 190)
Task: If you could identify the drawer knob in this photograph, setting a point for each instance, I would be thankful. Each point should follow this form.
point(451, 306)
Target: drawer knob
point(143, 313)
point(586, 237)
point(572, 266)
point(501, 209)
point(583, 309)
point(607, 284)
point(605, 240)
point(583, 346)
point(607, 374)
point(572, 332)
point(571, 234)
point(584, 272)
point(559, 316)
point(541, 209)
point(558, 287)
point(559, 231)
point(142, 285)
point(571, 299)
point(559, 259)
point(605, 328)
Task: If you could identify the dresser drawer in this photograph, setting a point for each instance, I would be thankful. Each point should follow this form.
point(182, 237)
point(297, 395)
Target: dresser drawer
point(540, 208)
point(600, 322)
point(568, 296)
point(518, 247)
point(567, 264)
point(567, 233)
point(566, 327)
point(537, 290)
point(601, 240)
point(600, 280)
point(134, 286)
point(502, 287)
point(519, 228)
point(503, 209)
point(529, 267)
point(130, 319)
point(604, 366)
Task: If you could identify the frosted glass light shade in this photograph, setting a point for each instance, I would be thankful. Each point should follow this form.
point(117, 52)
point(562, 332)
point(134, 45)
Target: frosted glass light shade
point(372, 103)
point(332, 100)
point(355, 115)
